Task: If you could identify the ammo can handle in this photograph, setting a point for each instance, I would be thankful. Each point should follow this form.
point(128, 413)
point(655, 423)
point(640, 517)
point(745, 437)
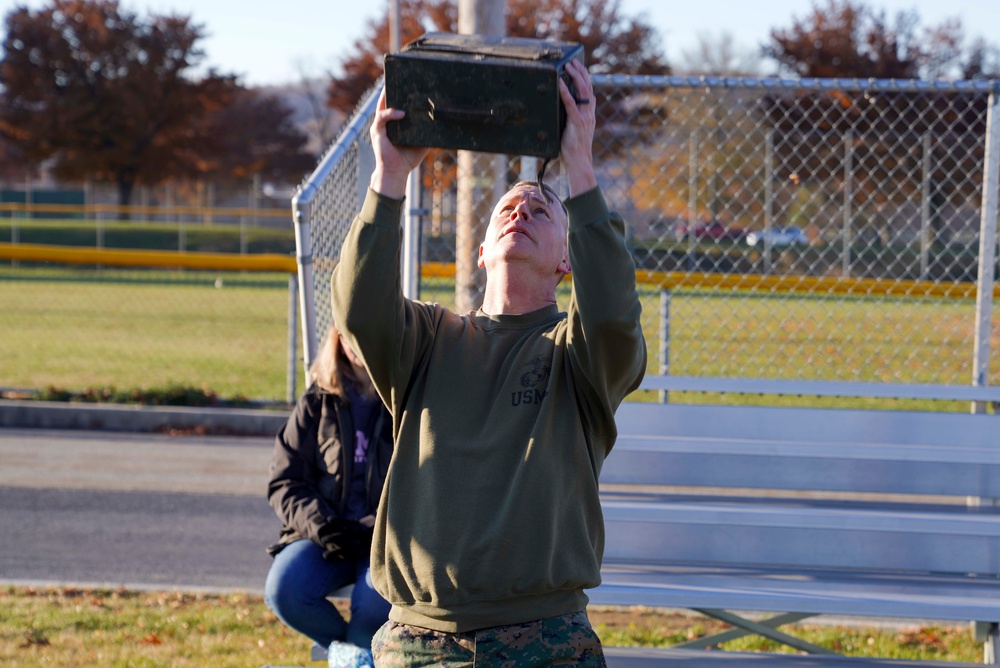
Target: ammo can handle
point(503, 113)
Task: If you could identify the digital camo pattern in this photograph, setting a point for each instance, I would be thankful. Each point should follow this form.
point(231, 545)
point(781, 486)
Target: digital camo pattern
point(568, 640)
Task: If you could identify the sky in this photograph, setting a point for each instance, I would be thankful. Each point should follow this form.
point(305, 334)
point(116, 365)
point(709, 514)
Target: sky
point(271, 43)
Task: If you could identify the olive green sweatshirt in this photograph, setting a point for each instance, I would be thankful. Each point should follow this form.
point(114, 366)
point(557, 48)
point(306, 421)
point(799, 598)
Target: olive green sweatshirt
point(490, 513)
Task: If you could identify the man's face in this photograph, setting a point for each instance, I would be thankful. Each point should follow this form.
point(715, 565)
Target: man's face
point(525, 227)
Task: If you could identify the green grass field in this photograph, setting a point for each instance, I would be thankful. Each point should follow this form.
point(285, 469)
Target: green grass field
point(229, 333)
point(70, 331)
point(815, 338)
point(118, 629)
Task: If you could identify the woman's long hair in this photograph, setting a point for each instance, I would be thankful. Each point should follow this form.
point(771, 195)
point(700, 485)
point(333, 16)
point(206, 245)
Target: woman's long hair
point(332, 367)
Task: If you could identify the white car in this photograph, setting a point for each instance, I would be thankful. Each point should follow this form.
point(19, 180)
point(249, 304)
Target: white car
point(778, 236)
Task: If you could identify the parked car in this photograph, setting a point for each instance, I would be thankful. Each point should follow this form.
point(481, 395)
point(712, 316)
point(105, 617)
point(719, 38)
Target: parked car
point(779, 237)
point(714, 230)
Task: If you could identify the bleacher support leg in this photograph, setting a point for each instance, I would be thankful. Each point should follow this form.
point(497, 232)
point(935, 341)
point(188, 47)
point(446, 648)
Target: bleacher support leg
point(992, 645)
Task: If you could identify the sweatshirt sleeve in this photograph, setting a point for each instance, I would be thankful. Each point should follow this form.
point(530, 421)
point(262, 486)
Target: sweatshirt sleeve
point(386, 329)
point(606, 342)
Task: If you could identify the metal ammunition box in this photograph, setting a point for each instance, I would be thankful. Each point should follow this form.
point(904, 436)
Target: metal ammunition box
point(479, 93)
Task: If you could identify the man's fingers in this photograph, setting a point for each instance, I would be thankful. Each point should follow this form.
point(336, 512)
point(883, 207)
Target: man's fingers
point(567, 97)
point(581, 80)
point(384, 114)
point(583, 100)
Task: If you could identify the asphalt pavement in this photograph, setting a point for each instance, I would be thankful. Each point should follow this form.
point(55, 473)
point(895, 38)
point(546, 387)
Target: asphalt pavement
point(136, 418)
point(134, 509)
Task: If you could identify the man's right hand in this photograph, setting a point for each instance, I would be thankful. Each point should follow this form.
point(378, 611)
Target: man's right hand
point(392, 163)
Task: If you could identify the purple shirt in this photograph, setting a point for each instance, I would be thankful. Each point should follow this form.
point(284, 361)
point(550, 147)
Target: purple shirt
point(363, 414)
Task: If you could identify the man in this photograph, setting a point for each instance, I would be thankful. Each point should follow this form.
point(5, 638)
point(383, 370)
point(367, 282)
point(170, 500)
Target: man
point(490, 528)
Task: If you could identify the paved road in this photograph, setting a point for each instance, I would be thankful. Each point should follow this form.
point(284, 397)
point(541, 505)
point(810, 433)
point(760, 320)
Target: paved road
point(139, 510)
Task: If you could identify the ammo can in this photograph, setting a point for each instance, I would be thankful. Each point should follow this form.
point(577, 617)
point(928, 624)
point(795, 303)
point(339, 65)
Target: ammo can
point(479, 93)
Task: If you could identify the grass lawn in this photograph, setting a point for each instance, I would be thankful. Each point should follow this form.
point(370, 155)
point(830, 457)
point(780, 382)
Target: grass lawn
point(230, 336)
point(802, 337)
point(118, 629)
point(811, 338)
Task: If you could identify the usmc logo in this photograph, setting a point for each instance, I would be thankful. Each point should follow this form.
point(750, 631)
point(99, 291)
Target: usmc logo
point(535, 376)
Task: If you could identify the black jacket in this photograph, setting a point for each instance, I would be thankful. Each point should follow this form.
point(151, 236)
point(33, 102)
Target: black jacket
point(311, 465)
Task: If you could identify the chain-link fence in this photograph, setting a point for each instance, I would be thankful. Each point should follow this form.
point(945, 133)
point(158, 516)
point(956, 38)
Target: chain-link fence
point(816, 229)
point(86, 326)
point(252, 202)
point(118, 330)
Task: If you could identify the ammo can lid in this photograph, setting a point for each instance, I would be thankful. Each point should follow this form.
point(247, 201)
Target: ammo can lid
point(522, 48)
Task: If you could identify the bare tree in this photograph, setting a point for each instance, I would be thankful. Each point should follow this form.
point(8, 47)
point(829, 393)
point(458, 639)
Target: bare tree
point(322, 121)
point(847, 39)
point(719, 55)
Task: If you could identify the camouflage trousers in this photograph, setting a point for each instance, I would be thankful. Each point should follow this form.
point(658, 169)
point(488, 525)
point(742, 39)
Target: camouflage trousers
point(567, 640)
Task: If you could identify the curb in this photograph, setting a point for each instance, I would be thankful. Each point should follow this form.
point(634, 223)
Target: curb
point(130, 418)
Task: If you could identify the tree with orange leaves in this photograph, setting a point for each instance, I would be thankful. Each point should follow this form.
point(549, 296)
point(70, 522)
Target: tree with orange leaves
point(612, 42)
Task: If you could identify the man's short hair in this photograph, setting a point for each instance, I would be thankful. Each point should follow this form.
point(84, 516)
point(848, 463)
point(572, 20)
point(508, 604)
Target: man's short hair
point(547, 191)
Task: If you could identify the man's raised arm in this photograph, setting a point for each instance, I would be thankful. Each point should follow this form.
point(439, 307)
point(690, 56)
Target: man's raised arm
point(367, 300)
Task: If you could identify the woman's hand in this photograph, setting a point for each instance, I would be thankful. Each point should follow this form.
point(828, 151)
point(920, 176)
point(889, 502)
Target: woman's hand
point(345, 540)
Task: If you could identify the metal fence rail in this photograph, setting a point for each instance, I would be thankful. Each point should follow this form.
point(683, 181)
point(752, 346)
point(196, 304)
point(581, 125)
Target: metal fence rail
point(781, 202)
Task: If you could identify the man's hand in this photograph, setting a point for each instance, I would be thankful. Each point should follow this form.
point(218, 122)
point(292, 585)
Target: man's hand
point(576, 151)
point(392, 163)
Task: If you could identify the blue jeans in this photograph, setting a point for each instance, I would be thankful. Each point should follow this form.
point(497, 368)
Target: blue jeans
point(298, 583)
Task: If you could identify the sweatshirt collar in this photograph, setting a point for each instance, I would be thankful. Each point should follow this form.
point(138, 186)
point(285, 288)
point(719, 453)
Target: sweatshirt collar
point(520, 321)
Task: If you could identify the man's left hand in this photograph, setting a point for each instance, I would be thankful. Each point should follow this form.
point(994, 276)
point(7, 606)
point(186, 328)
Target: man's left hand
point(578, 136)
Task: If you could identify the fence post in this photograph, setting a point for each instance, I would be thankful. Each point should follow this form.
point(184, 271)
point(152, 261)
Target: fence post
point(768, 198)
point(243, 234)
point(15, 230)
point(99, 232)
point(254, 199)
point(88, 198)
point(987, 251)
point(664, 340)
point(365, 167)
point(848, 197)
point(26, 214)
point(529, 168)
point(209, 190)
point(412, 217)
point(692, 200)
point(302, 217)
point(293, 318)
point(169, 199)
point(925, 207)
